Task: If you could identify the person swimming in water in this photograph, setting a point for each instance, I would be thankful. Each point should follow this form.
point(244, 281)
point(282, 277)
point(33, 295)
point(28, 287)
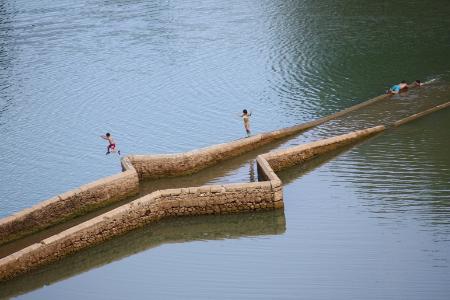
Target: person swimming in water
point(398, 88)
point(418, 83)
point(112, 144)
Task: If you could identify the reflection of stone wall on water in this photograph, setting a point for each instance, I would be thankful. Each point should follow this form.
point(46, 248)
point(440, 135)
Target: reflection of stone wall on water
point(219, 199)
point(174, 230)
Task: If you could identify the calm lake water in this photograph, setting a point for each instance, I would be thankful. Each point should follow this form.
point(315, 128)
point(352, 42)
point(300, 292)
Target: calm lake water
point(368, 222)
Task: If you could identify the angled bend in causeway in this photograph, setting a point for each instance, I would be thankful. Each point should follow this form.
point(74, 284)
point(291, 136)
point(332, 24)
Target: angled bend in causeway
point(118, 187)
point(217, 199)
point(265, 194)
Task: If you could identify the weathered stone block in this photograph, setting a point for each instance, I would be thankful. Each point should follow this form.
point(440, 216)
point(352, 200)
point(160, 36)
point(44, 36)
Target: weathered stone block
point(217, 189)
point(278, 196)
point(278, 204)
point(193, 190)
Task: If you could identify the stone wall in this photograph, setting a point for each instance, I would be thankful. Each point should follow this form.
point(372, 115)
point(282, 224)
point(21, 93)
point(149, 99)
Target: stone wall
point(210, 199)
point(175, 230)
point(421, 114)
point(118, 187)
point(70, 204)
point(170, 165)
point(285, 158)
point(214, 199)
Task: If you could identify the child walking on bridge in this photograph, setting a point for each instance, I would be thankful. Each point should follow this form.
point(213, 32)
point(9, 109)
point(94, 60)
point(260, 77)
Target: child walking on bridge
point(246, 118)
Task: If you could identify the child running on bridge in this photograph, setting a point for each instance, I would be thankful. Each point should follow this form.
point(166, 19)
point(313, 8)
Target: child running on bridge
point(112, 144)
point(246, 118)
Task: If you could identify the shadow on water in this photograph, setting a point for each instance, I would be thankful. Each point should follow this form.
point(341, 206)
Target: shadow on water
point(175, 230)
point(293, 173)
point(405, 170)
